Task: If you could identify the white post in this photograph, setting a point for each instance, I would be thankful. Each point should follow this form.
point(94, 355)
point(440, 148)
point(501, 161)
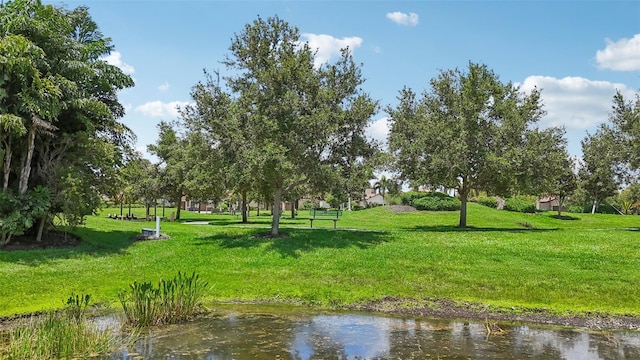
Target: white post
point(157, 226)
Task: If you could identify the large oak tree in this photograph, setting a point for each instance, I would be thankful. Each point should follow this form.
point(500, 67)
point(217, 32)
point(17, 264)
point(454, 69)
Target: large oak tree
point(282, 122)
point(470, 131)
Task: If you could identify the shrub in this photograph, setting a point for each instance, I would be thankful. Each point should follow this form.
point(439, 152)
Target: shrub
point(409, 197)
point(520, 204)
point(393, 200)
point(437, 202)
point(172, 301)
point(488, 201)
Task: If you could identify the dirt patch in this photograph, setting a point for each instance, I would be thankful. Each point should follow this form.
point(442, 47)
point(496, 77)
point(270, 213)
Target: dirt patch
point(463, 310)
point(50, 240)
point(401, 208)
point(152, 237)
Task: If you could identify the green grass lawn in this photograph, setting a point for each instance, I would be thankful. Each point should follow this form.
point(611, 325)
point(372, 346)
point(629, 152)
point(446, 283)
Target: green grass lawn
point(590, 263)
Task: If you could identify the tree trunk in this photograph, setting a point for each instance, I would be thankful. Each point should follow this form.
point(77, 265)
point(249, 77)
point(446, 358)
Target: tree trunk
point(244, 208)
point(595, 205)
point(464, 194)
point(147, 212)
point(277, 200)
point(258, 210)
point(43, 220)
point(26, 166)
point(5, 239)
point(293, 209)
point(178, 207)
point(349, 203)
point(560, 202)
point(7, 165)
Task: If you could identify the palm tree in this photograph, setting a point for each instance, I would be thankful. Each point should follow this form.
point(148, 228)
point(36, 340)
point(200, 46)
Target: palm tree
point(381, 186)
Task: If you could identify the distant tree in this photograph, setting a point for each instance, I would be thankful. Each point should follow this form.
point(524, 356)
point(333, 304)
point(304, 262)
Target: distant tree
point(566, 182)
point(222, 126)
point(468, 132)
point(381, 186)
point(601, 171)
point(144, 183)
point(625, 126)
point(171, 149)
point(631, 193)
point(205, 177)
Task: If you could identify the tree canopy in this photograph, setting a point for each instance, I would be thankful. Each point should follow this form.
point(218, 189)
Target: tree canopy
point(58, 111)
point(470, 131)
point(280, 123)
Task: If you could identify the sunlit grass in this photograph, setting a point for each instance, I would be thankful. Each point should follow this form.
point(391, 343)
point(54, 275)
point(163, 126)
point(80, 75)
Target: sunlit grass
point(504, 259)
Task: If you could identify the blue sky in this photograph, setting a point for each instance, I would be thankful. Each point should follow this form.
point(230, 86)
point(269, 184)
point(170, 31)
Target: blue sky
point(577, 52)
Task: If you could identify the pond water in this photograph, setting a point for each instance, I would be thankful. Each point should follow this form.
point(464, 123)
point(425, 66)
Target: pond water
point(304, 334)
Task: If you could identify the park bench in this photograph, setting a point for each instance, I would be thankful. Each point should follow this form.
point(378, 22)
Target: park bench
point(322, 214)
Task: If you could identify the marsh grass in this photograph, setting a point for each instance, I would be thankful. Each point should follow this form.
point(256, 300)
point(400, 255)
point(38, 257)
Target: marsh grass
point(58, 335)
point(172, 301)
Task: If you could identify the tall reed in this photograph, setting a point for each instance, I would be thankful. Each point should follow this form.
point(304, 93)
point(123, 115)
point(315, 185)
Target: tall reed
point(54, 335)
point(172, 301)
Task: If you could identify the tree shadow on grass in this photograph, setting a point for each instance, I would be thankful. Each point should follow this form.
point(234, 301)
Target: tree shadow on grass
point(564, 217)
point(93, 243)
point(298, 241)
point(451, 228)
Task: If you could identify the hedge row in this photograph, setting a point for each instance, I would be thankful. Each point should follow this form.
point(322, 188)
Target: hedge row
point(430, 201)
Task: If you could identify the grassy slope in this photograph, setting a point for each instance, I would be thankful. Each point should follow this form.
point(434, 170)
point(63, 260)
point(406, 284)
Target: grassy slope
point(588, 264)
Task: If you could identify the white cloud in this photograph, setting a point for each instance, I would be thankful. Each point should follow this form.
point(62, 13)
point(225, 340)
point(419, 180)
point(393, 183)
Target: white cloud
point(575, 102)
point(115, 58)
point(328, 46)
point(164, 87)
point(159, 109)
point(401, 18)
point(378, 130)
point(622, 55)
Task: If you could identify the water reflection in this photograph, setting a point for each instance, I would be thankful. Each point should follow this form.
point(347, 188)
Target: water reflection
point(306, 335)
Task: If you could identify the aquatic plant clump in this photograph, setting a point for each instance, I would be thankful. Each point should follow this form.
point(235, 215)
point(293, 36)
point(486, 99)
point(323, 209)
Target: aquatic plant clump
point(172, 301)
point(56, 335)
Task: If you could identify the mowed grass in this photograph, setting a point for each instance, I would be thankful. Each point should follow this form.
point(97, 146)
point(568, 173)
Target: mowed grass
point(590, 263)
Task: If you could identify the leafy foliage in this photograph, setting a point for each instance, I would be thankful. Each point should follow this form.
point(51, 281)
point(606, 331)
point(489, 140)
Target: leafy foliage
point(601, 171)
point(520, 204)
point(59, 108)
point(470, 132)
point(281, 123)
point(19, 212)
point(488, 201)
point(437, 202)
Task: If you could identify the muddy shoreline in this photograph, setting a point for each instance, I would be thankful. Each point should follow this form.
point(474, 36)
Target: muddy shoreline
point(436, 308)
point(448, 309)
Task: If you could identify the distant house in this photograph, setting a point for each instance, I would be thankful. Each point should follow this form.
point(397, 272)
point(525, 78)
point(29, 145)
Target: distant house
point(371, 199)
point(549, 203)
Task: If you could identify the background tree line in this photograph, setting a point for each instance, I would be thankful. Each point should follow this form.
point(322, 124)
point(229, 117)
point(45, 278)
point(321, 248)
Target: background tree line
point(276, 129)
